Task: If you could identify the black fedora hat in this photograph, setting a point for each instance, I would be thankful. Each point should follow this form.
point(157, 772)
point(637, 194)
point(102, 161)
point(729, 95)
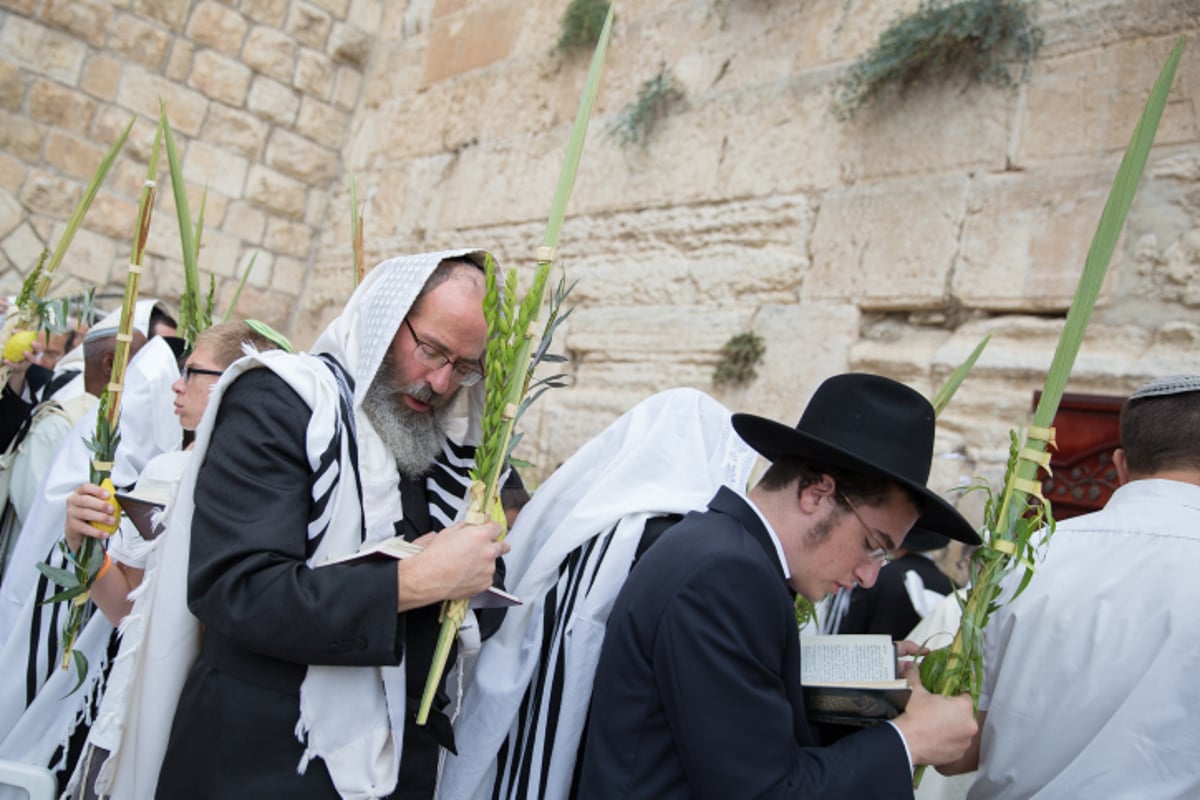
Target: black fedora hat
point(867, 424)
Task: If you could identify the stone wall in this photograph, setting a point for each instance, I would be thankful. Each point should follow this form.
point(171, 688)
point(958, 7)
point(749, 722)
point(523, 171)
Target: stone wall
point(259, 94)
point(891, 243)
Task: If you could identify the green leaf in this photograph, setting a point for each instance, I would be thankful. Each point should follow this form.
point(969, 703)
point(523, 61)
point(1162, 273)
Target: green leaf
point(566, 178)
point(61, 577)
point(81, 670)
point(68, 594)
point(241, 285)
point(81, 208)
point(944, 394)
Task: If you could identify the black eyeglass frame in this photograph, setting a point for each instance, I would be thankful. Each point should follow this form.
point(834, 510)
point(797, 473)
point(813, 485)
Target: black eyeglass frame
point(188, 371)
point(435, 358)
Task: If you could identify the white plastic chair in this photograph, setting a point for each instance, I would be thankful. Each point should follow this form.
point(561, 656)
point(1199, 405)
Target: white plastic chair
point(37, 781)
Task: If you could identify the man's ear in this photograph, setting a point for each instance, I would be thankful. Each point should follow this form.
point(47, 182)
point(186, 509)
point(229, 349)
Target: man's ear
point(815, 493)
point(1122, 465)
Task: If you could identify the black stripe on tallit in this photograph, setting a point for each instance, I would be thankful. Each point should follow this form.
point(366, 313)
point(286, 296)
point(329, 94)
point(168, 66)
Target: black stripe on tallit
point(32, 684)
point(578, 563)
point(560, 671)
point(506, 774)
point(330, 457)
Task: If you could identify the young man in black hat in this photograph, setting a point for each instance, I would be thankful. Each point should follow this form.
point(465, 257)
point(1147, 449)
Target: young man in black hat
point(697, 693)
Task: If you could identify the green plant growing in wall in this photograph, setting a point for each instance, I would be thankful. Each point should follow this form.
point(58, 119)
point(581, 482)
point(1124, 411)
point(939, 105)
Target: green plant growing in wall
point(739, 357)
point(579, 28)
point(655, 98)
point(942, 38)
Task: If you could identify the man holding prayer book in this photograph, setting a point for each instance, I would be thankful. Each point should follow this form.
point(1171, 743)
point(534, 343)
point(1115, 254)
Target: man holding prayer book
point(698, 690)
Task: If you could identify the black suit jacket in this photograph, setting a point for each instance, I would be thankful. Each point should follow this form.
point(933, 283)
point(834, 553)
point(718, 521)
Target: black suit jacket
point(697, 693)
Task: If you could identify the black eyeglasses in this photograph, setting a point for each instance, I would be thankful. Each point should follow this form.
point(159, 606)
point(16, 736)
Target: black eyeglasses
point(188, 371)
point(432, 357)
point(875, 552)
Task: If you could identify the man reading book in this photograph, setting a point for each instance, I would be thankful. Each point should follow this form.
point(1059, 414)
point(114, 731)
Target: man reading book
point(697, 692)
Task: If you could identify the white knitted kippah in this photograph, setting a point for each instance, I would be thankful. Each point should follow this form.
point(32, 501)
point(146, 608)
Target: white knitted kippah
point(1171, 384)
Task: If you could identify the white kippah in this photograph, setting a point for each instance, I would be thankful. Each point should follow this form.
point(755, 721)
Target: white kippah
point(1172, 384)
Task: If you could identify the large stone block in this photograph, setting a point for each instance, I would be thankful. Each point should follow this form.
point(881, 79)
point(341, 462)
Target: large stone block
point(217, 26)
point(239, 131)
point(349, 44)
point(22, 247)
point(220, 253)
point(171, 13)
point(92, 258)
point(466, 41)
point(141, 91)
point(111, 122)
point(12, 173)
point(271, 52)
point(347, 87)
point(11, 213)
point(55, 104)
point(220, 77)
point(288, 238)
point(276, 192)
point(273, 101)
point(887, 246)
point(322, 123)
point(308, 24)
point(366, 14)
point(287, 274)
point(261, 264)
point(1097, 95)
point(1025, 238)
point(49, 195)
point(805, 343)
point(113, 217)
point(245, 222)
point(337, 8)
point(210, 165)
point(12, 86)
point(314, 74)
point(45, 51)
point(179, 63)
point(101, 76)
point(300, 158)
point(87, 19)
point(268, 12)
point(139, 41)
point(72, 156)
point(687, 334)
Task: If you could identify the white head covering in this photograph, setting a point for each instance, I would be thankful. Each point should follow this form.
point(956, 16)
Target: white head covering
point(351, 717)
point(668, 455)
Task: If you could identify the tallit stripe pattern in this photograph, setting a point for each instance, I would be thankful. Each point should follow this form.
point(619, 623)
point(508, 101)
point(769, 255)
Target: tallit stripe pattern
point(325, 478)
point(526, 753)
point(448, 481)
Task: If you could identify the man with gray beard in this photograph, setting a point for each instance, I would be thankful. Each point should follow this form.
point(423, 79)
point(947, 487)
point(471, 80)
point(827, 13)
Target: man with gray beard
point(311, 661)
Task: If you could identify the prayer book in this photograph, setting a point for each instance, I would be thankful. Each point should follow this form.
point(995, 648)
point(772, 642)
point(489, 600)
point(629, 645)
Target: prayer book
point(398, 547)
point(851, 679)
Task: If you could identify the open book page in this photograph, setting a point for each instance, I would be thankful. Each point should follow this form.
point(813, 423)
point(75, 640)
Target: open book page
point(854, 659)
point(398, 548)
point(851, 680)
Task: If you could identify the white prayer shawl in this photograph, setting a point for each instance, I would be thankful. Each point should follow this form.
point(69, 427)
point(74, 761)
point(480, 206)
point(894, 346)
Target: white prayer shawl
point(148, 427)
point(351, 717)
point(34, 729)
point(572, 547)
